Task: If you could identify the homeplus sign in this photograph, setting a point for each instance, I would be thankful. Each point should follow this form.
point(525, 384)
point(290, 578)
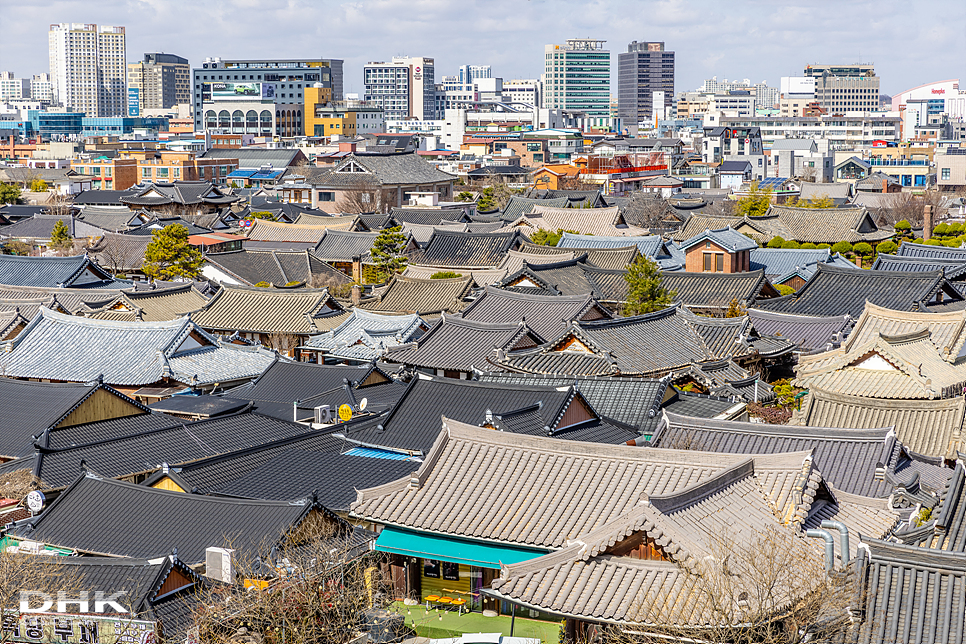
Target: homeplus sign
point(66, 628)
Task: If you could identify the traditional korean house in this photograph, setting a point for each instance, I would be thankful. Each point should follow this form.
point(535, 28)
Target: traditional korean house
point(666, 254)
point(789, 265)
point(426, 297)
point(74, 272)
point(349, 252)
point(953, 268)
point(547, 316)
point(809, 333)
point(363, 337)
point(586, 221)
point(814, 225)
point(189, 196)
point(428, 216)
point(569, 277)
point(468, 250)
point(148, 305)
point(250, 267)
point(714, 292)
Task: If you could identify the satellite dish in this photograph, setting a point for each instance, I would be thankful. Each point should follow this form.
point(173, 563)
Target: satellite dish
point(363, 404)
point(35, 501)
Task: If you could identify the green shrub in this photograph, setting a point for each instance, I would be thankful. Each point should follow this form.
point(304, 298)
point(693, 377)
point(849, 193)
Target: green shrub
point(888, 247)
point(903, 224)
point(775, 242)
point(842, 247)
point(444, 275)
point(784, 289)
point(791, 244)
point(809, 246)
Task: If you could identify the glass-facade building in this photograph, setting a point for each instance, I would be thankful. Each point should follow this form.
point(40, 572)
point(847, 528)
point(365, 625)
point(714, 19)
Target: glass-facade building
point(577, 77)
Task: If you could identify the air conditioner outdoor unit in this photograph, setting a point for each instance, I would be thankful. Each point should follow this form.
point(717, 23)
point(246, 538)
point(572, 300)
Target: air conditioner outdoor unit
point(218, 564)
point(323, 415)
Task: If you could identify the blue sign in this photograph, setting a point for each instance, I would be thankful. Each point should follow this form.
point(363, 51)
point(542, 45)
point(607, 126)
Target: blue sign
point(134, 101)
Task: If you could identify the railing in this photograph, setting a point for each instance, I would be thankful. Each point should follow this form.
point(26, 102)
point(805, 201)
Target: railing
point(898, 162)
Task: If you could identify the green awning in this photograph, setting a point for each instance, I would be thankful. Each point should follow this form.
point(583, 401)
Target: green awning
point(454, 550)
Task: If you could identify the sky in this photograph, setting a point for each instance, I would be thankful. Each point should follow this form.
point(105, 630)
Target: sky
point(910, 42)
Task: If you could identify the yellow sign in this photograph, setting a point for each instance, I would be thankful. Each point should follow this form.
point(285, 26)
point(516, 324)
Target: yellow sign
point(345, 413)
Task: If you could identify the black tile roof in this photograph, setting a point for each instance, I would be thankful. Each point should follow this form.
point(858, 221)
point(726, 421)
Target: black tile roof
point(928, 251)
point(428, 216)
point(717, 290)
point(414, 423)
point(548, 316)
point(843, 291)
point(101, 197)
point(287, 382)
point(954, 268)
point(423, 296)
point(278, 267)
point(340, 245)
point(46, 272)
point(810, 333)
point(148, 522)
point(569, 277)
point(446, 248)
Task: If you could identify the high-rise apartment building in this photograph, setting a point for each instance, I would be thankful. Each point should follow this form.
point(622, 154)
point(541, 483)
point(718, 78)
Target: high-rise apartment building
point(523, 90)
point(41, 88)
point(261, 97)
point(158, 82)
point(12, 88)
point(645, 68)
point(577, 77)
point(88, 68)
point(403, 88)
point(845, 88)
point(469, 73)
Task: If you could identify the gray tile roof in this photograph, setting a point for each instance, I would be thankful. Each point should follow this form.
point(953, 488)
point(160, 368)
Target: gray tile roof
point(907, 592)
point(120, 252)
point(699, 222)
point(647, 245)
point(929, 427)
point(41, 227)
point(462, 345)
point(946, 330)
point(778, 262)
point(61, 347)
point(841, 291)
point(548, 316)
point(152, 305)
point(423, 296)
point(581, 486)
point(810, 333)
point(568, 277)
point(250, 309)
point(265, 230)
point(343, 246)
point(286, 381)
point(947, 528)
point(811, 190)
point(954, 269)
point(45, 272)
point(76, 520)
point(926, 251)
point(366, 335)
point(717, 290)
point(255, 158)
point(847, 458)
point(586, 221)
point(446, 248)
point(481, 277)
point(608, 255)
point(816, 225)
point(277, 267)
point(407, 169)
point(724, 237)
point(423, 232)
point(428, 216)
point(518, 206)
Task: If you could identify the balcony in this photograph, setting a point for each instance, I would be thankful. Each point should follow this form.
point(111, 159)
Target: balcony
point(898, 162)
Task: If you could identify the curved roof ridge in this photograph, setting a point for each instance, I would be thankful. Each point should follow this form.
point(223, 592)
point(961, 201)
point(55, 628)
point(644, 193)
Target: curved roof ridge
point(494, 291)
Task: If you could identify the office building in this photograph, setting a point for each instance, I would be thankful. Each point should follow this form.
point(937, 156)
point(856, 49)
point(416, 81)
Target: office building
point(41, 88)
point(347, 118)
point(13, 89)
point(943, 97)
point(577, 78)
point(527, 91)
point(845, 88)
point(260, 97)
point(88, 68)
point(645, 68)
point(469, 73)
point(403, 88)
point(158, 82)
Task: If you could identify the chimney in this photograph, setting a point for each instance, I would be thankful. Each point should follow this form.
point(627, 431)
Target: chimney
point(357, 269)
point(885, 186)
point(927, 223)
point(347, 146)
point(356, 294)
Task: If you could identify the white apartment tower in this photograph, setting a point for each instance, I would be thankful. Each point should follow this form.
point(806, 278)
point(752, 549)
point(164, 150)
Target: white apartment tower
point(403, 88)
point(88, 68)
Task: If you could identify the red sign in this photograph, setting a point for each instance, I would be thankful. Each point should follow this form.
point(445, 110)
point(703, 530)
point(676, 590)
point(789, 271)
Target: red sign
point(939, 91)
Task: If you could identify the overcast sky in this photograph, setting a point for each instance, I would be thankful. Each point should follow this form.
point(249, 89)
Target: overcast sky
point(910, 42)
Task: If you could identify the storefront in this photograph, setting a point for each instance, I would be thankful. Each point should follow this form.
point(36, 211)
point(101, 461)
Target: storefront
point(443, 570)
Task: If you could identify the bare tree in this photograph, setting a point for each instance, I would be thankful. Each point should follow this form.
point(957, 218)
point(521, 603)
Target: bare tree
point(909, 206)
point(719, 207)
point(320, 591)
point(365, 196)
point(646, 210)
point(115, 253)
point(22, 175)
point(284, 343)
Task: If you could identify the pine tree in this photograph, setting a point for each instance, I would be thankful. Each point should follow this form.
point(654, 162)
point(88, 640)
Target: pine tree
point(60, 239)
point(170, 256)
point(387, 252)
point(645, 293)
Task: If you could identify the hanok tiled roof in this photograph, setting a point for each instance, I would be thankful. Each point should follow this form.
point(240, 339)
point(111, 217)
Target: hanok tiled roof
point(582, 486)
point(423, 296)
point(519, 206)
point(548, 316)
point(250, 309)
point(102, 197)
point(954, 269)
point(833, 191)
point(447, 248)
point(153, 305)
point(847, 458)
point(41, 227)
point(366, 335)
point(578, 198)
point(343, 246)
point(66, 300)
point(120, 252)
point(428, 216)
point(67, 348)
point(111, 219)
point(148, 228)
point(413, 424)
point(607, 255)
point(568, 277)
point(810, 333)
point(947, 529)
point(647, 245)
point(462, 345)
point(76, 520)
point(927, 251)
point(699, 222)
point(277, 267)
point(816, 225)
point(423, 232)
point(77, 271)
point(876, 180)
point(265, 230)
point(778, 262)
point(907, 593)
point(407, 169)
point(946, 330)
point(725, 238)
point(718, 290)
point(842, 291)
point(482, 277)
point(586, 221)
point(286, 381)
point(929, 427)
point(178, 192)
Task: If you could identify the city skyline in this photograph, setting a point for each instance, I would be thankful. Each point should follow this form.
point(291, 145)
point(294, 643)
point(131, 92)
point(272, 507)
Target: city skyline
point(755, 40)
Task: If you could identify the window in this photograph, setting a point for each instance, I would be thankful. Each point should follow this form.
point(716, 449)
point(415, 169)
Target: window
point(431, 568)
point(326, 196)
point(946, 173)
point(707, 262)
point(451, 571)
point(719, 262)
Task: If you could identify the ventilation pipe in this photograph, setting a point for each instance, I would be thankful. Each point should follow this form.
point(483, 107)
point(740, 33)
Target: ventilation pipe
point(829, 545)
point(843, 538)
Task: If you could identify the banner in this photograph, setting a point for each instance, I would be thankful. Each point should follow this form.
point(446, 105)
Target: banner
point(60, 628)
point(237, 92)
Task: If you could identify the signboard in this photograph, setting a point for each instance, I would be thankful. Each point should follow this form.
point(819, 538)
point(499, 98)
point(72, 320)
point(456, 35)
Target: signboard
point(345, 413)
point(211, 92)
point(134, 101)
point(62, 628)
